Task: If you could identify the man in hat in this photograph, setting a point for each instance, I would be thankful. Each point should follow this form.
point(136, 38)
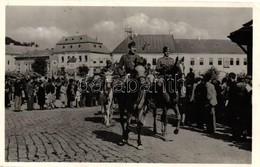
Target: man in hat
point(164, 63)
point(126, 63)
point(163, 66)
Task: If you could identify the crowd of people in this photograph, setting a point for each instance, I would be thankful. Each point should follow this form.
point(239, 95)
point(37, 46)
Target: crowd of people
point(228, 101)
point(207, 100)
point(47, 93)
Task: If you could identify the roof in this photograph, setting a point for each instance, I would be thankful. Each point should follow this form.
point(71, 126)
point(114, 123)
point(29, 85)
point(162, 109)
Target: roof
point(18, 50)
point(80, 43)
point(207, 46)
point(35, 54)
point(77, 39)
point(147, 44)
point(155, 44)
point(244, 35)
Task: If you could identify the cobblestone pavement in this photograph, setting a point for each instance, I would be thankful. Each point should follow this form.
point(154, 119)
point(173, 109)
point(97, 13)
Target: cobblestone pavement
point(77, 135)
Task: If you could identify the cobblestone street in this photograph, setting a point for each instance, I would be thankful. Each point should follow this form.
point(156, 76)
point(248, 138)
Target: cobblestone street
point(78, 135)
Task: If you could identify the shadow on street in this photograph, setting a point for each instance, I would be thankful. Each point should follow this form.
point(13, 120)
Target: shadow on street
point(224, 134)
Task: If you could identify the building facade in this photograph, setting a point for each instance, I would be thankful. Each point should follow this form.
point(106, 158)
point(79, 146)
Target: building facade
point(84, 49)
point(13, 51)
point(24, 62)
point(200, 55)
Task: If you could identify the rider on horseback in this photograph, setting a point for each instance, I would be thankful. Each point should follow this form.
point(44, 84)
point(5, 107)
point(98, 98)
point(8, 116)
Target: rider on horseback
point(126, 64)
point(166, 87)
point(126, 100)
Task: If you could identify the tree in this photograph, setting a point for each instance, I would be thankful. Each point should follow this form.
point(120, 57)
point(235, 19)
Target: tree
point(213, 72)
point(40, 66)
point(62, 71)
point(83, 70)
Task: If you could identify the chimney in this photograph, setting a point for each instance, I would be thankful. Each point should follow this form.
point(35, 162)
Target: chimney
point(199, 38)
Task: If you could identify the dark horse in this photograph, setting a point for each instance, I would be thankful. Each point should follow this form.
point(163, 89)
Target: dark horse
point(131, 100)
point(162, 97)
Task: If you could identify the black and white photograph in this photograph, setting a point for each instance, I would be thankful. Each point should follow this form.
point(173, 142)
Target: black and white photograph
point(128, 84)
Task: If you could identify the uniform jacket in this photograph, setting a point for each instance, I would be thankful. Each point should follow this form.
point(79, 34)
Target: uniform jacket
point(164, 62)
point(127, 61)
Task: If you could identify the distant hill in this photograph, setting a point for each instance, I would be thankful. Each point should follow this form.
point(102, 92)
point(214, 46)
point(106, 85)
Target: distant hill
point(9, 40)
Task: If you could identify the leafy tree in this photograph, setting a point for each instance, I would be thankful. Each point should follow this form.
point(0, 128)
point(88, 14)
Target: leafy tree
point(9, 40)
point(83, 70)
point(40, 66)
point(62, 71)
point(213, 72)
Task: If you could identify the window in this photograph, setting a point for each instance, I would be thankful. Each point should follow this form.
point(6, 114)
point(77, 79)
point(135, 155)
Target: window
point(192, 61)
point(201, 61)
point(70, 46)
point(63, 47)
point(68, 57)
point(94, 62)
point(154, 61)
point(101, 61)
point(86, 58)
point(73, 57)
point(231, 61)
point(210, 61)
point(245, 61)
point(94, 45)
point(219, 61)
point(80, 59)
point(8, 62)
point(80, 38)
point(66, 39)
point(100, 46)
point(62, 59)
point(79, 46)
point(237, 62)
point(72, 39)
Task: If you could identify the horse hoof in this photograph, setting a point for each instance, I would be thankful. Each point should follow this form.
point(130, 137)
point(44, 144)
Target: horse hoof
point(122, 142)
point(140, 147)
point(176, 131)
point(165, 138)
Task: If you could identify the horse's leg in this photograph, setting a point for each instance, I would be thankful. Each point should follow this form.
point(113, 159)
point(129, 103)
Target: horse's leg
point(139, 131)
point(154, 121)
point(107, 115)
point(163, 121)
point(121, 108)
point(176, 109)
point(110, 106)
point(127, 126)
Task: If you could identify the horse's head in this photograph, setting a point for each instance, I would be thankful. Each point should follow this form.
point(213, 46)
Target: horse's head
point(140, 71)
point(178, 68)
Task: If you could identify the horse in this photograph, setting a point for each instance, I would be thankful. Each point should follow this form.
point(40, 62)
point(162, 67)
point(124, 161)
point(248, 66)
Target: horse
point(131, 100)
point(159, 97)
point(107, 98)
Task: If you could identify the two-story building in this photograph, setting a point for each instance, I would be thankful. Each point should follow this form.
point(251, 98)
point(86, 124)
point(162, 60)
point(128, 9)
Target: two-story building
point(24, 62)
point(83, 50)
point(11, 52)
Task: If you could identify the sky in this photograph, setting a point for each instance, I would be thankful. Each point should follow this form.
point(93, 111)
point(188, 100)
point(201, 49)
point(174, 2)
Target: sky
point(46, 25)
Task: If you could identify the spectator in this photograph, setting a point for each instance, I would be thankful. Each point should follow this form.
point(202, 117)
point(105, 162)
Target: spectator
point(30, 94)
point(210, 104)
point(50, 91)
point(41, 95)
point(17, 95)
point(63, 94)
point(8, 90)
